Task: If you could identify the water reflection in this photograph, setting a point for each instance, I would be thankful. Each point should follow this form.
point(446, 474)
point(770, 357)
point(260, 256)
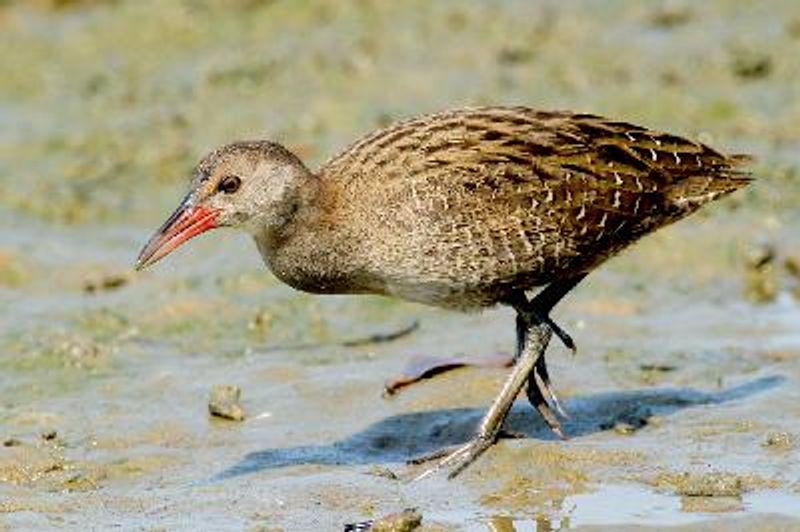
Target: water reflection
point(617, 505)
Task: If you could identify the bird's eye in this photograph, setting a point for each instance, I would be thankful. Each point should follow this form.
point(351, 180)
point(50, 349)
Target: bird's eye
point(229, 184)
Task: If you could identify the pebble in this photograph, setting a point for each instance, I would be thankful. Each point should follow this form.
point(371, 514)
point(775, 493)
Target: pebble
point(405, 521)
point(779, 440)
point(761, 284)
point(224, 402)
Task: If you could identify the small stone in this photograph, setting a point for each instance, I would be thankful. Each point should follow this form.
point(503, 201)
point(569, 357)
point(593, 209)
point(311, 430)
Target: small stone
point(657, 368)
point(54, 468)
point(261, 321)
point(405, 521)
point(12, 442)
point(106, 282)
point(81, 482)
point(670, 15)
point(759, 256)
point(749, 64)
point(224, 402)
point(514, 55)
point(779, 440)
point(761, 286)
point(49, 435)
point(792, 265)
point(761, 283)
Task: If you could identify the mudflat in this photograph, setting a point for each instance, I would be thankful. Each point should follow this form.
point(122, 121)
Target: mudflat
point(684, 408)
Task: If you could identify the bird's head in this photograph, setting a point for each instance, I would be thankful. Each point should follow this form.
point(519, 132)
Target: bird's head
point(252, 184)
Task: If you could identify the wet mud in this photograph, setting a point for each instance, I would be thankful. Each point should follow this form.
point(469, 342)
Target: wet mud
point(683, 403)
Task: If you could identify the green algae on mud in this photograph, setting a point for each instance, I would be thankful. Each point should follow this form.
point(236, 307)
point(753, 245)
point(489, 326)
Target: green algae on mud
point(119, 91)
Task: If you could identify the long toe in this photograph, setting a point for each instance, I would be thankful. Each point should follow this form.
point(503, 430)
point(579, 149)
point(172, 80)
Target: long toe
point(546, 387)
point(456, 458)
point(537, 400)
point(434, 455)
point(562, 335)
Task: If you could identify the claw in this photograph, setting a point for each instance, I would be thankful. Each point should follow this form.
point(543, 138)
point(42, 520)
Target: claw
point(445, 456)
point(550, 394)
point(435, 455)
point(536, 398)
point(460, 457)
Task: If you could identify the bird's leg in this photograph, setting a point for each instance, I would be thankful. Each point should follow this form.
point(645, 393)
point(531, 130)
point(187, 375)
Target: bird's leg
point(562, 335)
point(547, 388)
point(533, 341)
point(542, 397)
point(540, 391)
point(533, 314)
point(534, 330)
point(539, 308)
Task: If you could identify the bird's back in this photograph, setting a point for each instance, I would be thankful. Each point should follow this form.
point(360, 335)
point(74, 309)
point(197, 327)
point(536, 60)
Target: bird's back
point(459, 208)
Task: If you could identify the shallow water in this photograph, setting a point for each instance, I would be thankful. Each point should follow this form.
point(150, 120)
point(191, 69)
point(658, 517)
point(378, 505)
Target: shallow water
point(646, 507)
point(106, 373)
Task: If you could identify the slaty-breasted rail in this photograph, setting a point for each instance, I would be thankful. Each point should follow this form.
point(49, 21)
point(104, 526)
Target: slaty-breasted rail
point(464, 209)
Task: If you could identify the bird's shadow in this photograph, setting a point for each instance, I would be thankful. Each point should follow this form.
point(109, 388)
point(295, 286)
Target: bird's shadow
point(398, 438)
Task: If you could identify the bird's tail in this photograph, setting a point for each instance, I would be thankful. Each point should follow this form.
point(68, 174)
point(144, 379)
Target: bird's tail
point(710, 182)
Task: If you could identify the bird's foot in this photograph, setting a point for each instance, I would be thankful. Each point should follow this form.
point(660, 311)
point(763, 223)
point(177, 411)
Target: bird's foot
point(456, 458)
point(541, 392)
point(544, 399)
point(540, 404)
point(534, 316)
point(562, 335)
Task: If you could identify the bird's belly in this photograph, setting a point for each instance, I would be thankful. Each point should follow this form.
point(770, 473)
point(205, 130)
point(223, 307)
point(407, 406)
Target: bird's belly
point(452, 295)
point(438, 295)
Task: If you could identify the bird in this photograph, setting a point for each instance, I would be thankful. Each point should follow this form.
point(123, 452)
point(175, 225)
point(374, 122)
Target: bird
point(464, 209)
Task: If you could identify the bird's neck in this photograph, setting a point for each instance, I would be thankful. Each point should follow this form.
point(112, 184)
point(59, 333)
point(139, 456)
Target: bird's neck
point(310, 251)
